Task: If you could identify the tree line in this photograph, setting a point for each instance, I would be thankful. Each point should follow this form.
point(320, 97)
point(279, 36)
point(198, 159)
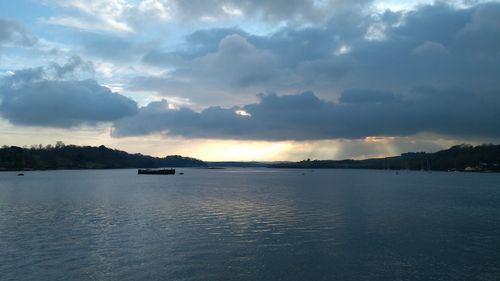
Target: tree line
point(462, 157)
point(61, 156)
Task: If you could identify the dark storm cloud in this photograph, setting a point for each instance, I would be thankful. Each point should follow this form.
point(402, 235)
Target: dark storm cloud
point(432, 70)
point(367, 96)
point(290, 45)
point(304, 116)
point(14, 33)
point(436, 45)
point(30, 97)
point(239, 62)
point(198, 43)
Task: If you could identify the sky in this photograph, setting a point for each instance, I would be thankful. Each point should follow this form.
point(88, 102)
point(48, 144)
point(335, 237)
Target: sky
point(265, 80)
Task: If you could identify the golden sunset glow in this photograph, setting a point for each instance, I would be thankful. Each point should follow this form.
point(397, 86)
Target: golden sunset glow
point(231, 150)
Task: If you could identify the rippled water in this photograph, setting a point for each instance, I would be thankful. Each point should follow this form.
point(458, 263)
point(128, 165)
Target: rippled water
point(249, 224)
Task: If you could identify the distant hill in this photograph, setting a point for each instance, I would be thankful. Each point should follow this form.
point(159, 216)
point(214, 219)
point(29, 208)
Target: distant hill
point(241, 164)
point(460, 158)
point(63, 156)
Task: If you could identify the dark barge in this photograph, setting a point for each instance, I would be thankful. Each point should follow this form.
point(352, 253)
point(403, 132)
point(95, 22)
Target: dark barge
point(156, 171)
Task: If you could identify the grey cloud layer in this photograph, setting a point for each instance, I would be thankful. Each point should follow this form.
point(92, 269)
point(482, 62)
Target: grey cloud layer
point(112, 48)
point(34, 97)
point(437, 45)
point(434, 70)
point(137, 16)
point(270, 10)
point(442, 62)
point(358, 114)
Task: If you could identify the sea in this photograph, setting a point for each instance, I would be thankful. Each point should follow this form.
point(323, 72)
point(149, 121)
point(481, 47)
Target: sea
point(249, 224)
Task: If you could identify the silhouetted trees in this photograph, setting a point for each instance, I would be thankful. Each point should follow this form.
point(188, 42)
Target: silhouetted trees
point(61, 156)
point(463, 157)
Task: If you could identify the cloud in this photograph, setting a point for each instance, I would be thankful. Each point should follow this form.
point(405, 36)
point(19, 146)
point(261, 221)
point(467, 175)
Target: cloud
point(109, 15)
point(230, 64)
point(380, 73)
point(268, 10)
point(75, 63)
point(197, 44)
point(238, 61)
point(129, 15)
point(431, 49)
point(358, 114)
point(40, 97)
point(13, 33)
point(236, 64)
point(435, 45)
point(109, 47)
point(362, 96)
point(93, 15)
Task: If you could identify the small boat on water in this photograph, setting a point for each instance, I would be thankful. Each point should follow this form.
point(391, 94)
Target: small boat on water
point(156, 171)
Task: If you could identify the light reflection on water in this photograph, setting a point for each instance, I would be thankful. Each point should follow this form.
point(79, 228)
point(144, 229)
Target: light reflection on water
point(249, 224)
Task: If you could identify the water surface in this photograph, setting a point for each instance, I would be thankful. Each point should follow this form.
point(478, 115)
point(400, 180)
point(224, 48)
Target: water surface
point(249, 224)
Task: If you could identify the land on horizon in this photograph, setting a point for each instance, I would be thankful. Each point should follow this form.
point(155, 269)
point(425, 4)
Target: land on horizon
point(463, 157)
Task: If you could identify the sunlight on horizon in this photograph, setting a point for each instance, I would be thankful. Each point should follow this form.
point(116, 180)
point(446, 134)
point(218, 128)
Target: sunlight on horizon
point(234, 150)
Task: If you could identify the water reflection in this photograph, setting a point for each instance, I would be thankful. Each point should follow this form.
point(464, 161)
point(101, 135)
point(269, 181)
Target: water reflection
point(249, 224)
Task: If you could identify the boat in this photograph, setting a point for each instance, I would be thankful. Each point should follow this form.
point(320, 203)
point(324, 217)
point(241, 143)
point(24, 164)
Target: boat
point(156, 171)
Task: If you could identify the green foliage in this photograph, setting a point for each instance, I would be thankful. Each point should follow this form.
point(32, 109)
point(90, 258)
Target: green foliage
point(63, 156)
point(463, 157)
